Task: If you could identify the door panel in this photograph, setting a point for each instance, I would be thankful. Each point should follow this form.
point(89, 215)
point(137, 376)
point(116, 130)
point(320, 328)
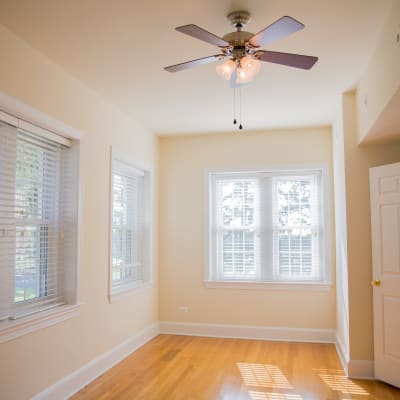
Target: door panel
point(385, 229)
point(390, 238)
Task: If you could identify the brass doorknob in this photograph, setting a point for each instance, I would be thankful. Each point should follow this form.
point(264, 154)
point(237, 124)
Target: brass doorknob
point(376, 282)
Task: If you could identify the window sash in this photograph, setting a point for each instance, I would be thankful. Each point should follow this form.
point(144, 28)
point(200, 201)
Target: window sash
point(296, 222)
point(237, 221)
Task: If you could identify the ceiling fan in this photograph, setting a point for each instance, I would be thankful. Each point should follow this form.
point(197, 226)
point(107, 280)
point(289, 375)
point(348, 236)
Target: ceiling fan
point(241, 49)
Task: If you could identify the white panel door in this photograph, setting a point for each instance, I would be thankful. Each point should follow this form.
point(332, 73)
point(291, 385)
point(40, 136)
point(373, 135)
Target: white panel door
point(385, 227)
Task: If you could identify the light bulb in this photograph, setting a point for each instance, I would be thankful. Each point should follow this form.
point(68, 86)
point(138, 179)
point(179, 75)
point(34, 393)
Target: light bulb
point(226, 69)
point(242, 76)
point(248, 69)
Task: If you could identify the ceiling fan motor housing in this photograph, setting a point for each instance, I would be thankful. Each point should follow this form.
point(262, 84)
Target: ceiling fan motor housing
point(239, 45)
point(239, 19)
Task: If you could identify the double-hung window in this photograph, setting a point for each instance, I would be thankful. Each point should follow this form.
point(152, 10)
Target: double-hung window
point(38, 220)
point(130, 208)
point(267, 226)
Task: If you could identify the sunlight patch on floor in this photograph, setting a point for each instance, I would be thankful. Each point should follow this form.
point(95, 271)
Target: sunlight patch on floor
point(342, 384)
point(263, 376)
point(329, 371)
point(254, 395)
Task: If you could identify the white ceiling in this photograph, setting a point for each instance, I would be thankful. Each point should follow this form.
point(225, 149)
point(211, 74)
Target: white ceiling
point(119, 49)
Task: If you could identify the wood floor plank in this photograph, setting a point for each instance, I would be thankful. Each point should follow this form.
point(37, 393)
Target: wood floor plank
point(198, 368)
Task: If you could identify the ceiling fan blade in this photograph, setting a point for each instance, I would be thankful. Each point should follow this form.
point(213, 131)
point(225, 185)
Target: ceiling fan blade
point(201, 34)
point(194, 63)
point(282, 27)
point(289, 59)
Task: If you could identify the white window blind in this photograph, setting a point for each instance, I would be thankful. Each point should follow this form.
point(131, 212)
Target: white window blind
point(266, 226)
point(35, 172)
point(128, 224)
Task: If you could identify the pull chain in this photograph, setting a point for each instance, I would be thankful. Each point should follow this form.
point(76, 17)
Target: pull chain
point(240, 102)
point(240, 108)
point(234, 106)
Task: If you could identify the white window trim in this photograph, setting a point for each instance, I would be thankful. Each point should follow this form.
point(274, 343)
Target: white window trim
point(122, 292)
point(24, 116)
point(298, 286)
point(326, 284)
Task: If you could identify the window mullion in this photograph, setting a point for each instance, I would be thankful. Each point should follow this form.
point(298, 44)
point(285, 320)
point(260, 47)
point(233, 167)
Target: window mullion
point(266, 230)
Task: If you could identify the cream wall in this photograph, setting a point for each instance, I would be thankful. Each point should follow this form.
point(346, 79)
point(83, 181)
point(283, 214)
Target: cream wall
point(358, 160)
point(35, 361)
point(378, 91)
point(183, 161)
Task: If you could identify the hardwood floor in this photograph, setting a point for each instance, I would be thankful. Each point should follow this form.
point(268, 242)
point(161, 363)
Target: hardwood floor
point(197, 368)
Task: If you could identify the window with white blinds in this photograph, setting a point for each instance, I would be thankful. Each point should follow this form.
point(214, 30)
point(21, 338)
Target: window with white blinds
point(36, 199)
point(129, 216)
point(267, 226)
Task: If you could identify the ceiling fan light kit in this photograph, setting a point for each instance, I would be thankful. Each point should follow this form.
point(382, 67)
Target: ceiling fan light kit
point(241, 51)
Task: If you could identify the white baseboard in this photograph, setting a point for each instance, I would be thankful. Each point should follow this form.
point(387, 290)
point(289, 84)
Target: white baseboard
point(248, 332)
point(358, 369)
point(69, 385)
point(361, 369)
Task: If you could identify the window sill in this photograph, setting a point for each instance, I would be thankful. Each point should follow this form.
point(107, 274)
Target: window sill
point(289, 286)
point(124, 291)
point(11, 329)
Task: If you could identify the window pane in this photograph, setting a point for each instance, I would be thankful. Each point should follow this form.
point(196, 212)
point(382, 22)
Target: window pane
point(295, 253)
point(37, 177)
point(236, 202)
point(238, 253)
point(127, 231)
point(27, 263)
point(117, 247)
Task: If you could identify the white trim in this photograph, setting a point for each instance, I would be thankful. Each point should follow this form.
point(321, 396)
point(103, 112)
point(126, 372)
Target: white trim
point(22, 111)
point(130, 161)
point(144, 170)
point(27, 126)
point(125, 291)
point(12, 329)
point(361, 369)
point(80, 226)
point(8, 118)
point(75, 381)
point(300, 286)
point(248, 332)
point(287, 168)
point(342, 354)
